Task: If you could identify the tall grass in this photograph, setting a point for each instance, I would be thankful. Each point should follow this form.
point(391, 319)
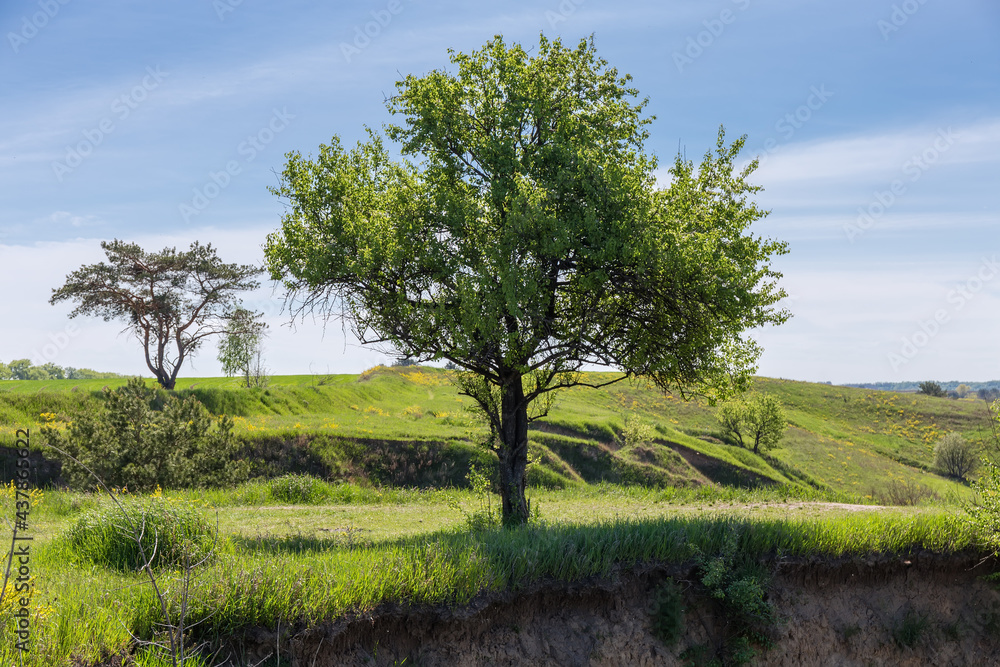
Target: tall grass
point(298, 579)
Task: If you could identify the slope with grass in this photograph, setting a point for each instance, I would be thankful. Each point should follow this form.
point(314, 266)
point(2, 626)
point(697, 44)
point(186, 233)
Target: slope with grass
point(344, 562)
point(409, 426)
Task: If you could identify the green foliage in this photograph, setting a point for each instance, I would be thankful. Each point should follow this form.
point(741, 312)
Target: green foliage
point(299, 489)
point(668, 613)
point(984, 509)
point(528, 239)
point(739, 583)
point(486, 516)
point(241, 347)
point(956, 456)
point(154, 530)
point(932, 389)
point(635, 432)
point(143, 437)
point(19, 369)
point(902, 494)
point(760, 420)
point(23, 369)
point(171, 301)
point(732, 417)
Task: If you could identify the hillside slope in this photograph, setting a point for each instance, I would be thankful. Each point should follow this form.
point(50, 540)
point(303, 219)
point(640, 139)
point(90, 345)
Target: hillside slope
point(841, 438)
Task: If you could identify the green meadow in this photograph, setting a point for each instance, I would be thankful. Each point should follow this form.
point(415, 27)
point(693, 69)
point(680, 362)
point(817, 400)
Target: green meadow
point(359, 499)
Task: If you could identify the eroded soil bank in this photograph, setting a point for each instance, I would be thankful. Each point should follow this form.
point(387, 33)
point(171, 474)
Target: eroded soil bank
point(846, 612)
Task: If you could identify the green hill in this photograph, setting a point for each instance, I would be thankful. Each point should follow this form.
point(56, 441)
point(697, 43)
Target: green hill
point(409, 426)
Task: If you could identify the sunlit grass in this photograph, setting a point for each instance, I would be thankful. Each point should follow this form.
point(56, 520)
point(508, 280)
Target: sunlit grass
point(310, 562)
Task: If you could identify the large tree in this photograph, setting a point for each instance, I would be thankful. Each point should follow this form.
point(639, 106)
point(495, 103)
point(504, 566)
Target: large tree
point(529, 239)
point(172, 301)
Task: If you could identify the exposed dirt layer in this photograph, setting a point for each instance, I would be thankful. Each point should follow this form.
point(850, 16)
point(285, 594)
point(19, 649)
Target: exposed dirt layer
point(849, 612)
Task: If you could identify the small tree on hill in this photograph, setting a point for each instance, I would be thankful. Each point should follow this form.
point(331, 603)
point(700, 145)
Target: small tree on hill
point(172, 301)
point(956, 456)
point(932, 389)
point(731, 416)
point(760, 420)
point(241, 347)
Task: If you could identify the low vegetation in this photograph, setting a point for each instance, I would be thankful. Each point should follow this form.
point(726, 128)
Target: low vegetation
point(354, 502)
point(313, 565)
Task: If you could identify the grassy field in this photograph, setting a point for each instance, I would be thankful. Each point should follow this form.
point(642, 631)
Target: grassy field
point(302, 563)
point(845, 440)
point(391, 522)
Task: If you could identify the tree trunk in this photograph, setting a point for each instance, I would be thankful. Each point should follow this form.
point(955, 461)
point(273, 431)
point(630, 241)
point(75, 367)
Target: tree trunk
point(513, 453)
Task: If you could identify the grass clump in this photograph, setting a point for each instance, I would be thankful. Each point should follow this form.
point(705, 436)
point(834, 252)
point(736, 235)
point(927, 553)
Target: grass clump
point(153, 530)
point(299, 490)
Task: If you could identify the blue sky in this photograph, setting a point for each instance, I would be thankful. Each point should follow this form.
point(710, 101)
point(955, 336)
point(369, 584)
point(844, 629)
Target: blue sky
point(878, 125)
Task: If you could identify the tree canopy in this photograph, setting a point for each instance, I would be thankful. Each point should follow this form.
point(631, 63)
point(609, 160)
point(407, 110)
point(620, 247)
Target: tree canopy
point(172, 301)
point(759, 421)
point(529, 239)
point(241, 347)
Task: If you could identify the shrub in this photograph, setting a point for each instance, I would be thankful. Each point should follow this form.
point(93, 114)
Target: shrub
point(984, 511)
point(299, 489)
point(143, 438)
point(900, 493)
point(956, 456)
point(171, 534)
point(739, 584)
point(932, 389)
point(635, 432)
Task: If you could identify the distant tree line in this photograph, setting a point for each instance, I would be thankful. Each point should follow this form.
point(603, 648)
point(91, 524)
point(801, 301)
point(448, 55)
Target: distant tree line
point(23, 369)
point(983, 390)
point(963, 390)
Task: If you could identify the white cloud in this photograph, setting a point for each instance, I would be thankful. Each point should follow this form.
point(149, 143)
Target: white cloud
point(849, 320)
point(883, 155)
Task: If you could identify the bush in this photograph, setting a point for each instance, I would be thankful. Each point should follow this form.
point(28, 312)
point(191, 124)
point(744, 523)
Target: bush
point(299, 489)
point(984, 511)
point(635, 432)
point(955, 456)
point(144, 438)
point(902, 494)
point(171, 534)
point(932, 389)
